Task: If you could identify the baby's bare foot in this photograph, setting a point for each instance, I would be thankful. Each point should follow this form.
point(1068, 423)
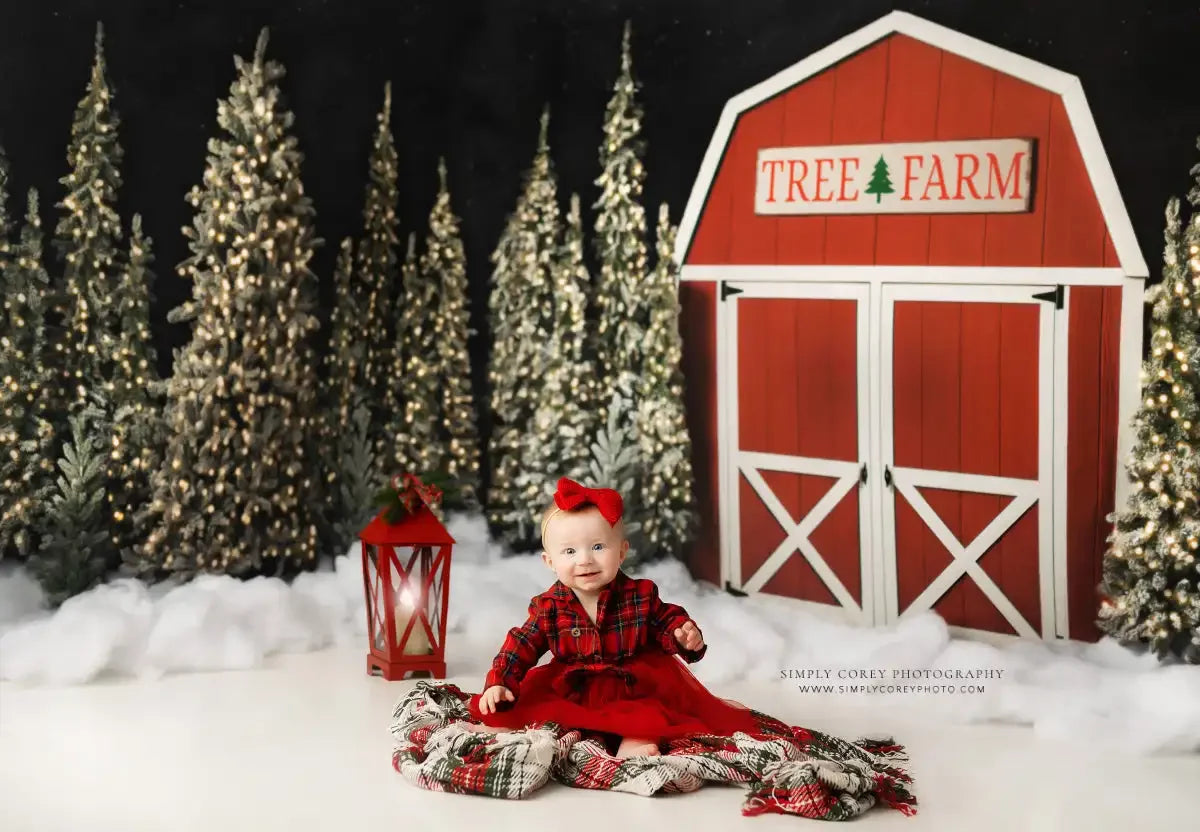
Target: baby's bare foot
point(633, 747)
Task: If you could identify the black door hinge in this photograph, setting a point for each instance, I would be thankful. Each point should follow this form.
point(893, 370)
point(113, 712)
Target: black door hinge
point(862, 475)
point(729, 588)
point(727, 290)
point(1057, 294)
point(887, 476)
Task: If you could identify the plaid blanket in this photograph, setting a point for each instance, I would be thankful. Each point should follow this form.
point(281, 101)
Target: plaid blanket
point(786, 769)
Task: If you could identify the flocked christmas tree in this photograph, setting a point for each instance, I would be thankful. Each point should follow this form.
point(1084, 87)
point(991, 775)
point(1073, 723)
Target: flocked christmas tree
point(1150, 588)
point(236, 491)
point(135, 398)
point(559, 439)
point(444, 262)
point(614, 464)
point(414, 400)
point(340, 395)
point(87, 239)
point(377, 275)
point(74, 554)
point(26, 432)
point(620, 238)
point(667, 500)
point(522, 320)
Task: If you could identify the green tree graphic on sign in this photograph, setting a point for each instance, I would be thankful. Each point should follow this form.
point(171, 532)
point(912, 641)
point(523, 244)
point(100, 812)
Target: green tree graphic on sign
point(879, 184)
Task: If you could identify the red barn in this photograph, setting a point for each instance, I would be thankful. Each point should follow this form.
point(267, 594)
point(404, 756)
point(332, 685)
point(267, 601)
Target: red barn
point(912, 316)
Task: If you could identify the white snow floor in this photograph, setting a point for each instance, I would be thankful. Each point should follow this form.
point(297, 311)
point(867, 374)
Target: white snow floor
point(303, 745)
point(246, 705)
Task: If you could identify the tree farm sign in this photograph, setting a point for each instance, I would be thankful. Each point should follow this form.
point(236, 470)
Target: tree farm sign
point(959, 177)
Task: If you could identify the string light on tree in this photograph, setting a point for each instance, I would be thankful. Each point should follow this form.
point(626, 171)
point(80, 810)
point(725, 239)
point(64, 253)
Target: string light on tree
point(522, 303)
point(85, 325)
point(558, 442)
point(26, 432)
point(249, 433)
point(669, 516)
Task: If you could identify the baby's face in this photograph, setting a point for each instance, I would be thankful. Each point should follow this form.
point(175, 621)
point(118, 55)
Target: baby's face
point(583, 550)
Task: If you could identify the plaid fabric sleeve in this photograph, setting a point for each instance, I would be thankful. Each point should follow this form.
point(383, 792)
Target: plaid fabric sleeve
point(522, 649)
point(664, 619)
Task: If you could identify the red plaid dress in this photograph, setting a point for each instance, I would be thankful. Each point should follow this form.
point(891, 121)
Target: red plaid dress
point(621, 675)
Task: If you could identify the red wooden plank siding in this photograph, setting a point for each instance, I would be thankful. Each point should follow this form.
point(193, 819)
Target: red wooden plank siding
point(861, 85)
point(1074, 226)
point(1014, 565)
point(1110, 251)
point(753, 237)
point(964, 112)
point(807, 120)
point(941, 446)
point(910, 115)
point(1020, 110)
point(1083, 443)
point(1094, 360)
point(981, 407)
point(908, 392)
point(698, 330)
point(837, 538)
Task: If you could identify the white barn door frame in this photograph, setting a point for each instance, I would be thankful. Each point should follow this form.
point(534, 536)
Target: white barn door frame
point(734, 463)
point(1051, 454)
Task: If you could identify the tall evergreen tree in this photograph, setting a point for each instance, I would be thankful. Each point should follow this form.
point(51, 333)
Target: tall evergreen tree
point(1150, 589)
point(87, 239)
point(26, 433)
point(564, 426)
point(339, 396)
point(522, 315)
point(667, 494)
point(377, 273)
point(242, 396)
point(620, 237)
point(136, 396)
point(74, 554)
point(414, 401)
point(445, 262)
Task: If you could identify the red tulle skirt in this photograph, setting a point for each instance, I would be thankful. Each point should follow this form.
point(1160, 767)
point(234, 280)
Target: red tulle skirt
point(653, 696)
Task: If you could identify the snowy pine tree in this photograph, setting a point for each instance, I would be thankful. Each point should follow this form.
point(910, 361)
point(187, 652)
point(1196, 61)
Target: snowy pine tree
point(87, 239)
point(242, 397)
point(136, 396)
point(414, 402)
point(522, 315)
point(667, 500)
point(26, 432)
point(377, 275)
point(355, 489)
point(620, 237)
point(74, 554)
point(340, 394)
point(1150, 588)
point(563, 429)
point(614, 464)
point(444, 262)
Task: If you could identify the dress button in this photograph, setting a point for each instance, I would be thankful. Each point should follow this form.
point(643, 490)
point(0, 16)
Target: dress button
point(575, 632)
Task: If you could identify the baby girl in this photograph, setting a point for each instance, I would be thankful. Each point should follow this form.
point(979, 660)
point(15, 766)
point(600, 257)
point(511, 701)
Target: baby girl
point(616, 646)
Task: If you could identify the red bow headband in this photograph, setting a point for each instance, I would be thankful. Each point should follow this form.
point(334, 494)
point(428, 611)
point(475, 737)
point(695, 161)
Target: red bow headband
point(571, 496)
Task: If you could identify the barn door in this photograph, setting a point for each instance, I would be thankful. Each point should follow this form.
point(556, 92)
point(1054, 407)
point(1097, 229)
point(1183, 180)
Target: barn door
point(967, 436)
point(794, 448)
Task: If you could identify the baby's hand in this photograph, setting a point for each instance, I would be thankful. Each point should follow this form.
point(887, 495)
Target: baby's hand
point(491, 698)
point(689, 636)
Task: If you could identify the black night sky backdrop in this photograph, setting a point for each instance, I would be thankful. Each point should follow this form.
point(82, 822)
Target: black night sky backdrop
point(470, 78)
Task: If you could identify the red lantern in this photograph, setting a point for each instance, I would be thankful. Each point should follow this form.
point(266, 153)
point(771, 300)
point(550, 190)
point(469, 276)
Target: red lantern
point(406, 574)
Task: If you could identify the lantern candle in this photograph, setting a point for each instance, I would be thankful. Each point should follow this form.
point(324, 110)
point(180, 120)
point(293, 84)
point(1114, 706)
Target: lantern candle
point(418, 641)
